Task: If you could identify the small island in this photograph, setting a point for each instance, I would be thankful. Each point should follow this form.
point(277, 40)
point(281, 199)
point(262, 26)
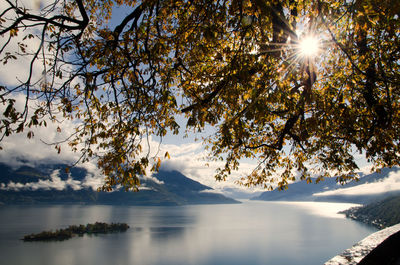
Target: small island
point(80, 230)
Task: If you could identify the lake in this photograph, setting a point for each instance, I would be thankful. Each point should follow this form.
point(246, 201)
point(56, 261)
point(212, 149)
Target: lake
point(250, 233)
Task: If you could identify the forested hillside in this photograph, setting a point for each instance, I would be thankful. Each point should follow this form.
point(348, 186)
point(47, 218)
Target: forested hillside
point(381, 214)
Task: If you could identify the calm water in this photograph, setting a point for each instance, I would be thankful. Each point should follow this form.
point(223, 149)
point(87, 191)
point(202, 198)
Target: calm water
point(246, 234)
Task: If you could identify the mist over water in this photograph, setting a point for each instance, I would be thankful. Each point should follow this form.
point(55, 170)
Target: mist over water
point(249, 233)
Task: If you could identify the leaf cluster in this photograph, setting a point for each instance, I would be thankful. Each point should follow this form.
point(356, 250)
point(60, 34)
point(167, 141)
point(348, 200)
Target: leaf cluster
point(232, 64)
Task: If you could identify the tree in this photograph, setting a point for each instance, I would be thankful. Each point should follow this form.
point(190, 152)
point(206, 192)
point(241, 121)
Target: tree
point(234, 64)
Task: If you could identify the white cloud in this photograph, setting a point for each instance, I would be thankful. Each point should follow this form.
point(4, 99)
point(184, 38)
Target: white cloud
point(190, 160)
point(144, 187)
point(19, 150)
point(93, 179)
point(20, 67)
point(211, 191)
point(389, 184)
point(55, 182)
point(93, 182)
point(150, 176)
point(18, 146)
point(32, 5)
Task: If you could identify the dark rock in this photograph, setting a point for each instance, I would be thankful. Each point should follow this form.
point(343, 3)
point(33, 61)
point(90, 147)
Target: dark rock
point(386, 253)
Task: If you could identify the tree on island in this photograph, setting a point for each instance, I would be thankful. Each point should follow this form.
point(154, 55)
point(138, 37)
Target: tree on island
point(299, 86)
point(72, 230)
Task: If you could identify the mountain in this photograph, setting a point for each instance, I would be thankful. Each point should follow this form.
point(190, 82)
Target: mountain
point(330, 190)
point(381, 214)
point(50, 184)
point(188, 190)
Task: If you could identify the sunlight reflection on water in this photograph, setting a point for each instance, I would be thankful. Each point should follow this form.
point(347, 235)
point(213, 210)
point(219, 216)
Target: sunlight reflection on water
point(325, 209)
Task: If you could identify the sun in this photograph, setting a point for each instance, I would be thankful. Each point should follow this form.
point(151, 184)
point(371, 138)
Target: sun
point(309, 46)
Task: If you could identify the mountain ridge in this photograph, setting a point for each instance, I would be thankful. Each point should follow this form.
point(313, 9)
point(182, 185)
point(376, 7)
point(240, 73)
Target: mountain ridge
point(301, 191)
point(50, 184)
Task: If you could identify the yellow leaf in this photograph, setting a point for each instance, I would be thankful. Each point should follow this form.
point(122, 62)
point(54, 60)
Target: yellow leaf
point(158, 163)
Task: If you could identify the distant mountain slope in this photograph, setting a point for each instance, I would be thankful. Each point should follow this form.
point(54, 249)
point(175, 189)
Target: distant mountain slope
point(192, 191)
point(381, 214)
point(50, 184)
point(329, 190)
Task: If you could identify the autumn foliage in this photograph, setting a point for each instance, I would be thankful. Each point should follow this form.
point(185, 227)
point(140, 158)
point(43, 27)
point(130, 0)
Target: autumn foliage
point(232, 64)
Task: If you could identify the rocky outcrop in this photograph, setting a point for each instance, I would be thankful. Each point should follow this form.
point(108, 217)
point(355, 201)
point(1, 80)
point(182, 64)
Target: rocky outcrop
point(359, 251)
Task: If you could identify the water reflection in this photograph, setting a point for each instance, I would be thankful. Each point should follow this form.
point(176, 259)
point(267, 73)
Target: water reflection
point(166, 233)
point(325, 209)
point(249, 233)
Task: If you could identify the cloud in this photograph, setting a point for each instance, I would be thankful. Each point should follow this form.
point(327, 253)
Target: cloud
point(211, 191)
point(389, 184)
point(20, 67)
point(19, 150)
point(92, 181)
point(144, 187)
point(55, 182)
point(150, 176)
point(32, 5)
point(190, 159)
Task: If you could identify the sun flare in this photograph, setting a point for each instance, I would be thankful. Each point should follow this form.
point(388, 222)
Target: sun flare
point(309, 46)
